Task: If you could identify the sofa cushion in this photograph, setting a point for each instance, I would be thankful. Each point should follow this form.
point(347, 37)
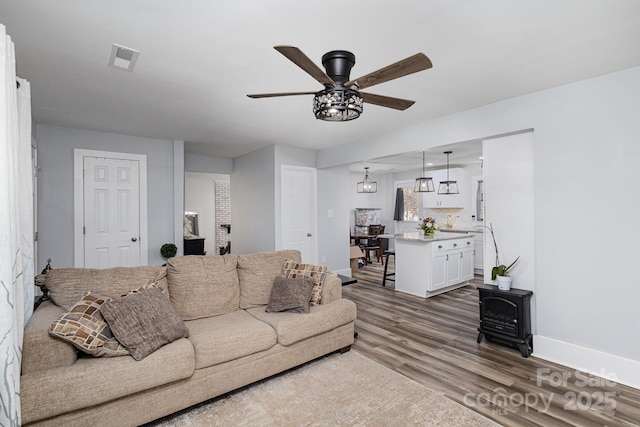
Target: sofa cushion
point(203, 286)
point(84, 327)
point(292, 327)
point(67, 285)
point(257, 273)
point(144, 321)
point(40, 350)
point(291, 294)
point(233, 335)
point(93, 381)
point(317, 272)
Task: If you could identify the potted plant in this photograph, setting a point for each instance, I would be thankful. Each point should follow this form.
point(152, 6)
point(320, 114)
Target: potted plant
point(429, 226)
point(500, 272)
point(168, 250)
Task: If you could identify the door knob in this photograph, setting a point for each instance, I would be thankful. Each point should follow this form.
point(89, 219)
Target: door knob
point(134, 239)
point(308, 234)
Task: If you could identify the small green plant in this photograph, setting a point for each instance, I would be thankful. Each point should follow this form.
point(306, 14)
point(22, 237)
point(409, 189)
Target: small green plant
point(168, 250)
point(499, 269)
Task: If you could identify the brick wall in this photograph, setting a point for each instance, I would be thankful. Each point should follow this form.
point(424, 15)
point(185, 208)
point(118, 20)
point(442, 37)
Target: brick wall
point(223, 212)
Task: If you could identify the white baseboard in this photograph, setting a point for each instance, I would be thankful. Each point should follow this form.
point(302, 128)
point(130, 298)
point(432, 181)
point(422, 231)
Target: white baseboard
point(611, 367)
point(344, 272)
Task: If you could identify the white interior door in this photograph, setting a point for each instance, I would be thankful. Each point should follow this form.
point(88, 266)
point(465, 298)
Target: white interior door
point(110, 210)
point(298, 211)
point(111, 213)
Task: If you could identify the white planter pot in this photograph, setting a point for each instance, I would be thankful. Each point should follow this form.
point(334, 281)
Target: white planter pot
point(504, 282)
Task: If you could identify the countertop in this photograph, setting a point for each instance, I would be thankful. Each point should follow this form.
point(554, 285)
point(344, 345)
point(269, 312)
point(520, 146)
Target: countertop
point(462, 230)
point(419, 236)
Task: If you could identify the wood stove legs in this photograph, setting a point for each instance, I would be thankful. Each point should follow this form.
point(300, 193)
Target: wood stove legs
point(524, 345)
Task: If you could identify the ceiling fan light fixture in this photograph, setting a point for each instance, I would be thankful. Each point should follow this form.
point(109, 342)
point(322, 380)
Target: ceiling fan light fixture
point(366, 185)
point(337, 104)
point(448, 186)
point(424, 184)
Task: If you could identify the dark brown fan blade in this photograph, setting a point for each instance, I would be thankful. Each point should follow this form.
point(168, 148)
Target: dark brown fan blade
point(386, 101)
point(410, 65)
point(296, 56)
point(271, 95)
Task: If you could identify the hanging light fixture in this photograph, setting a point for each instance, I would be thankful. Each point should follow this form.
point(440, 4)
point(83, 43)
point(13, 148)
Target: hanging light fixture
point(366, 185)
point(424, 184)
point(448, 187)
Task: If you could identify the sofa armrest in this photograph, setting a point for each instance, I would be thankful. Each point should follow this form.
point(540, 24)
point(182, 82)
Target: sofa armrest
point(331, 289)
point(39, 349)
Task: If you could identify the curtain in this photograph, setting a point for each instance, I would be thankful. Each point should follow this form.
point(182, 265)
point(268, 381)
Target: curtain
point(16, 228)
point(398, 213)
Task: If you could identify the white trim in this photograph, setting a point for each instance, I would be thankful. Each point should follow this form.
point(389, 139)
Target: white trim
point(78, 200)
point(344, 272)
point(609, 366)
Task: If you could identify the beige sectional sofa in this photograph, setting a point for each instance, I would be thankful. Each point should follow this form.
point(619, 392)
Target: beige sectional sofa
point(233, 341)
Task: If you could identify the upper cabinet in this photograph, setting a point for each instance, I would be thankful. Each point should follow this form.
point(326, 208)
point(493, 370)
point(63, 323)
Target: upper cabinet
point(435, 200)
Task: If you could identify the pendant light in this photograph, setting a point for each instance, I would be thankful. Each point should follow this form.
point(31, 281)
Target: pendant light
point(424, 184)
point(366, 185)
point(448, 187)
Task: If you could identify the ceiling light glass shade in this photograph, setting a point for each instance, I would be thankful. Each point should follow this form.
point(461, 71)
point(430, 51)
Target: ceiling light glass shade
point(424, 184)
point(337, 104)
point(448, 186)
point(366, 185)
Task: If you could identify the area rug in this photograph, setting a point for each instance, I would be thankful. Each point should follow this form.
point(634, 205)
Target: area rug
point(337, 390)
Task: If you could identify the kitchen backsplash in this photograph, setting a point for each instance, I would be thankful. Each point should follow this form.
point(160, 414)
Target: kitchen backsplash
point(462, 218)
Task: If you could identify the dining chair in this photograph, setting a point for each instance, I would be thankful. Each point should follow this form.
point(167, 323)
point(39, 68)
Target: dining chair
point(373, 243)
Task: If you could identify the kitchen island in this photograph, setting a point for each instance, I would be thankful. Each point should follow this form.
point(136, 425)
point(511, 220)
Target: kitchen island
point(427, 266)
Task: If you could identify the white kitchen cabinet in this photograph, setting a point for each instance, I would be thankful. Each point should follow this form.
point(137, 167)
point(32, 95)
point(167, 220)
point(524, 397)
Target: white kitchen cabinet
point(451, 262)
point(435, 200)
point(467, 260)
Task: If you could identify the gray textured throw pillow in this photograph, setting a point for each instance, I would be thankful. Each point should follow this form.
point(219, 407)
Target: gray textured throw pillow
point(291, 294)
point(143, 322)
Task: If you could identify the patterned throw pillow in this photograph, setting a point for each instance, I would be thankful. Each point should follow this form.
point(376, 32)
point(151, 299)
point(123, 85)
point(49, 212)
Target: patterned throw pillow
point(84, 327)
point(144, 321)
point(317, 272)
point(290, 294)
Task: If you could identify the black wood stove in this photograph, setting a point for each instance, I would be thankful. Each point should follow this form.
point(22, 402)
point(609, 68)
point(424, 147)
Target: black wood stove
point(505, 317)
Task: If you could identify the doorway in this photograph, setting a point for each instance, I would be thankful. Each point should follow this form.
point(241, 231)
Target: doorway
point(208, 197)
point(298, 219)
point(110, 209)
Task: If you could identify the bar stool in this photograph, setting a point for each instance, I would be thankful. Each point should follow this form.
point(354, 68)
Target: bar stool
point(387, 253)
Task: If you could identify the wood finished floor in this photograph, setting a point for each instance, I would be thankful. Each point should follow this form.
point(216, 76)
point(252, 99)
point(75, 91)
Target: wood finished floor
point(433, 341)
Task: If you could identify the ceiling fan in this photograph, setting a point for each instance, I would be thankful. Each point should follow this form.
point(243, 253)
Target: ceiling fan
point(341, 99)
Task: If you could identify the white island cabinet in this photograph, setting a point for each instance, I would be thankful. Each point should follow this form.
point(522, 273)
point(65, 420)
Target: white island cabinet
point(427, 266)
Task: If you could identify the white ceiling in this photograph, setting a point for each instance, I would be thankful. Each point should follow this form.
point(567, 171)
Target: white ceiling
point(199, 59)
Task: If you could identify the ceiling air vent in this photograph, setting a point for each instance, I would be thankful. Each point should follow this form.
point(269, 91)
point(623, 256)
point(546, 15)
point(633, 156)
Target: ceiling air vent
point(123, 58)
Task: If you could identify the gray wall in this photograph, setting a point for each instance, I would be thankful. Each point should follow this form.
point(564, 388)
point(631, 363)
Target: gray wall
point(333, 247)
point(207, 164)
point(55, 188)
point(586, 159)
point(253, 202)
